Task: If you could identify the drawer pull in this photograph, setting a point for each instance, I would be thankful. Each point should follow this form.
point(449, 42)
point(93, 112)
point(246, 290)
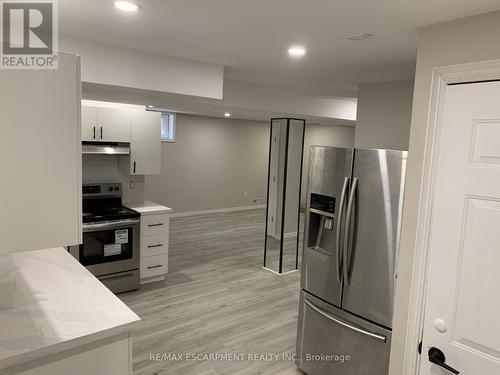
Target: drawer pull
point(158, 245)
point(155, 225)
point(157, 266)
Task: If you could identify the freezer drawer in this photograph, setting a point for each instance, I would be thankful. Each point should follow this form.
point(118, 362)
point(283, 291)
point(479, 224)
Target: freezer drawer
point(362, 348)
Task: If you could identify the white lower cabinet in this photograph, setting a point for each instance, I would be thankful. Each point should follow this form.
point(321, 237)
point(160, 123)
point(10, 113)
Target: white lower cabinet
point(152, 225)
point(155, 220)
point(154, 247)
point(153, 266)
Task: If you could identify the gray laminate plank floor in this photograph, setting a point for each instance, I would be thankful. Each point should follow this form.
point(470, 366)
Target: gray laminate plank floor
point(216, 299)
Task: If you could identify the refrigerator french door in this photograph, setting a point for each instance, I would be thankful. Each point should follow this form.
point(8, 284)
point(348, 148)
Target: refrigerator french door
point(351, 244)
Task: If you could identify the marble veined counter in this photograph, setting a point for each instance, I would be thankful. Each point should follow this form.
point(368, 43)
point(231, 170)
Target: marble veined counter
point(49, 303)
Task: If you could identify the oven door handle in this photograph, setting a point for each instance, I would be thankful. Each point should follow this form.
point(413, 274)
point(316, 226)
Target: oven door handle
point(109, 225)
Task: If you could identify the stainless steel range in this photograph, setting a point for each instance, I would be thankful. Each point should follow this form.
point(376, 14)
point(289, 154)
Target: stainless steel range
point(111, 233)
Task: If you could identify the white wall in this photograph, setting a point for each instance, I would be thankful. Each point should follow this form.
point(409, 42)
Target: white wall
point(111, 65)
point(212, 164)
point(324, 135)
point(463, 40)
point(104, 168)
point(384, 115)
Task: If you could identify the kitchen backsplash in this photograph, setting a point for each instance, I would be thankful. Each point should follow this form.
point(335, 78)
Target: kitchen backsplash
point(104, 168)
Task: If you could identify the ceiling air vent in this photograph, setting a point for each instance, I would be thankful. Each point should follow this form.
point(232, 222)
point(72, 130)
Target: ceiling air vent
point(355, 38)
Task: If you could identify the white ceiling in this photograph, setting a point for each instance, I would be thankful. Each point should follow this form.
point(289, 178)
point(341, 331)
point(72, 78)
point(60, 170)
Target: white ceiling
point(251, 37)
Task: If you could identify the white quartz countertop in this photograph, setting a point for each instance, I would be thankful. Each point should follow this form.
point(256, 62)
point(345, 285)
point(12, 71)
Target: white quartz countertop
point(49, 302)
point(149, 208)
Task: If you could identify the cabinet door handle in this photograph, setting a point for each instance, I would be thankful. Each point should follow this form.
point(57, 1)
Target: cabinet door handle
point(94, 132)
point(155, 225)
point(157, 266)
point(135, 163)
point(101, 132)
point(158, 245)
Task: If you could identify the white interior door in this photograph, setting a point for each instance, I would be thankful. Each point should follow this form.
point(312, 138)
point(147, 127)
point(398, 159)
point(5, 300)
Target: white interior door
point(462, 312)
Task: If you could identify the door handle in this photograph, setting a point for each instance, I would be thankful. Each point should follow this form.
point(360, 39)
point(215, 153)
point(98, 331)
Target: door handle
point(135, 163)
point(437, 357)
point(94, 132)
point(347, 253)
point(338, 241)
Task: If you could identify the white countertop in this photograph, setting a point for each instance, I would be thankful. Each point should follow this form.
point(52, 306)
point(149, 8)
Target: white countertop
point(149, 208)
point(49, 302)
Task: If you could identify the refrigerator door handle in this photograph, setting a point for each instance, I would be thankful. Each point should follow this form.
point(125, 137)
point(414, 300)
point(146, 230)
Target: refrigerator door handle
point(338, 240)
point(345, 324)
point(348, 220)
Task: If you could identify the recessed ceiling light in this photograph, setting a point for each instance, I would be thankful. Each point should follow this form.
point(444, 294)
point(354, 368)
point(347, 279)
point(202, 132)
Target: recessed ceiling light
point(296, 51)
point(227, 114)
point(355, 38)
point(150, 106)
point(127, 6)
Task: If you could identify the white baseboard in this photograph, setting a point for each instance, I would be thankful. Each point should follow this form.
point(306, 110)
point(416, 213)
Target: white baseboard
point(217, 210)
point(277, 273)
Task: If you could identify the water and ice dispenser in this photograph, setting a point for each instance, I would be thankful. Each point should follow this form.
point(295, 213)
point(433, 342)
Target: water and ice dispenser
point(322, 223)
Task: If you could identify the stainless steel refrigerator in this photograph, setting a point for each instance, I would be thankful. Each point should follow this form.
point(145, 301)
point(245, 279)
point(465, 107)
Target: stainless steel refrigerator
point(351, 243)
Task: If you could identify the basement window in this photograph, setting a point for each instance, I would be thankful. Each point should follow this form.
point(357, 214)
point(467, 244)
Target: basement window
point(167, 127)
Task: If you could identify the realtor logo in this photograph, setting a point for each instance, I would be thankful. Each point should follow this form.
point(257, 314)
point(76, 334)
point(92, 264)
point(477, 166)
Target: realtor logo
point(28, 34)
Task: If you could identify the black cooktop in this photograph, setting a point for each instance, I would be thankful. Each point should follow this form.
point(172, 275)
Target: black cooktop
point(108, 214)
point(103, 202)
point(106, 209)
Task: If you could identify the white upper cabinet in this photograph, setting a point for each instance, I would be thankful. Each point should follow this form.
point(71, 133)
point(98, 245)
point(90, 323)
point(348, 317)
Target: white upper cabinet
point(100, 124)
point(40, 149)
point(89, 123)
point(114, 125)
point(145, 145)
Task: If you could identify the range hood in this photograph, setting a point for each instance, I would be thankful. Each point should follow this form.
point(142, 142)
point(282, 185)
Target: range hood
point(104, 148)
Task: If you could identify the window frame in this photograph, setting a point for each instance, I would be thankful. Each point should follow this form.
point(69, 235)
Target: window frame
point(166, 114)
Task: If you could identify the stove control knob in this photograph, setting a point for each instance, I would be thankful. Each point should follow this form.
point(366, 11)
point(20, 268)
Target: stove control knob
point(117, 188)
point(110, 188)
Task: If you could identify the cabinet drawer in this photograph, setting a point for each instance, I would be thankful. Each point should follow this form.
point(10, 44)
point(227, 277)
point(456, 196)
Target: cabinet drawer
point(154, 224)
point(155, 265)
point(154, 245)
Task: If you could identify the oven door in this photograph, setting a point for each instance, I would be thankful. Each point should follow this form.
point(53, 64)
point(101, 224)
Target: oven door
point(110, 247)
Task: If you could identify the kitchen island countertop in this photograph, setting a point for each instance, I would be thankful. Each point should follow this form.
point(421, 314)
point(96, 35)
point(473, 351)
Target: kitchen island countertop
point(49, 303)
